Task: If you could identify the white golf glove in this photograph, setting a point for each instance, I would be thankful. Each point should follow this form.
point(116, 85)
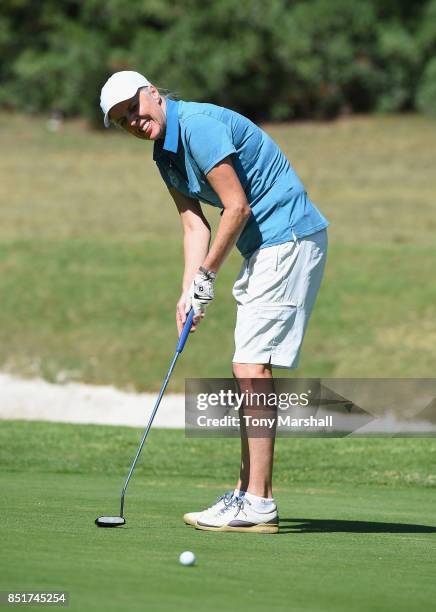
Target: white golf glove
point(201, 291)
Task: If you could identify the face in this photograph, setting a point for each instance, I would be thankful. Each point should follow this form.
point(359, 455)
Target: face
point(143, 115)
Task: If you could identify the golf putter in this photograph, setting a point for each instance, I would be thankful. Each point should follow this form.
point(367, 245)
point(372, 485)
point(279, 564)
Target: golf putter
point(117, 521)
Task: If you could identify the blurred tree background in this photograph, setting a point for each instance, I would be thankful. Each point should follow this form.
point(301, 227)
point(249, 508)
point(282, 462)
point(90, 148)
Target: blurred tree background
point(275, 60)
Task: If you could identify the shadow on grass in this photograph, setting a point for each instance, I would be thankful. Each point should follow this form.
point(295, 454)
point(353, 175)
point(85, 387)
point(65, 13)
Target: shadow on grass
point(307, 525)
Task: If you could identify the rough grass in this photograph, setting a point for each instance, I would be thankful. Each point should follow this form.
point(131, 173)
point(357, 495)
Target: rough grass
point(78, 449)
point(91, 257)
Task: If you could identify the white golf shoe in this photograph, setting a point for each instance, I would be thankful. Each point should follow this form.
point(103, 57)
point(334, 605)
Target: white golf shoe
point(239, 515)
point(190, 518)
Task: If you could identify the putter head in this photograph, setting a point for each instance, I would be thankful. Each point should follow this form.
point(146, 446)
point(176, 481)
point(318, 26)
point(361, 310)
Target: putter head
point(110, 521)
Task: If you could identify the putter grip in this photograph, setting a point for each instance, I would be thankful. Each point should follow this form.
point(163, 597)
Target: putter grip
point(185, 331)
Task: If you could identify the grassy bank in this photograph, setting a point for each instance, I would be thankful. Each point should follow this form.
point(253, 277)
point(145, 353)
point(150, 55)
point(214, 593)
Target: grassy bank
point(91, 258)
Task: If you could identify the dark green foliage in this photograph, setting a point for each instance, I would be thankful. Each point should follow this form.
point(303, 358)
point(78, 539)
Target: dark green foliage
point(399, 61)
point(426, 99)
point(271, 60)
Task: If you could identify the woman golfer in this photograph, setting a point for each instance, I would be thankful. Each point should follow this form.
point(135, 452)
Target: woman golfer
point(209, 154)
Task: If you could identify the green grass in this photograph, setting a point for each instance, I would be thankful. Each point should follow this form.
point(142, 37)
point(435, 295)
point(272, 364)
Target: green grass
point(90, 267)
point(358, 530)
point(91, 255)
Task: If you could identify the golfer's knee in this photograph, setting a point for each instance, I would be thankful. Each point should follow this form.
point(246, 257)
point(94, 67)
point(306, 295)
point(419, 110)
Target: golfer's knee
point(251, 370)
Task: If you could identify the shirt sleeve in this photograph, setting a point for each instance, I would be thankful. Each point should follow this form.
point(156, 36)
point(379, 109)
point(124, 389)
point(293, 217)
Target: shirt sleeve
point(209, 141)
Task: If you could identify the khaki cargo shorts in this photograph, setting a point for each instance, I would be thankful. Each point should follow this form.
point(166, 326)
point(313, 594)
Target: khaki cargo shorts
point(275, 291)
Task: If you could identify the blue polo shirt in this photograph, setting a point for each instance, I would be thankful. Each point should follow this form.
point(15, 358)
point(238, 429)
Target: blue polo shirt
point(199, 136)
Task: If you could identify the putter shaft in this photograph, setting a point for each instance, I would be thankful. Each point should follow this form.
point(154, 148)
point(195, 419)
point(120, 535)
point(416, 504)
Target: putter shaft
point(180, 345)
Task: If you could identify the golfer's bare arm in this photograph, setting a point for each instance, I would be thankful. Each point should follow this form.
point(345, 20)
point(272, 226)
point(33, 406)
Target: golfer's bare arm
point(196, 235)
point(227, 186)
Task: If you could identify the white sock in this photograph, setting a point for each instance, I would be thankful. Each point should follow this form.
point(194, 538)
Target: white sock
point(261, 504)
point(238, 493)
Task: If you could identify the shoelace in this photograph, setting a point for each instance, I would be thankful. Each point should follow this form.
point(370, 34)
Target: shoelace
point(226, 498)
point(236, 502)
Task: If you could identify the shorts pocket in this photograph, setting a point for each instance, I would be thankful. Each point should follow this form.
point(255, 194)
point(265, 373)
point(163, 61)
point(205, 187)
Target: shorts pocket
point(276, 313)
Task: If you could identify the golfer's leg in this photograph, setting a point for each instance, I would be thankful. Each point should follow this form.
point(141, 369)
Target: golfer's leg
point(257, 453)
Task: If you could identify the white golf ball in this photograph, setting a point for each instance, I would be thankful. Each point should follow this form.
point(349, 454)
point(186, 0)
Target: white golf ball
point(187, 558)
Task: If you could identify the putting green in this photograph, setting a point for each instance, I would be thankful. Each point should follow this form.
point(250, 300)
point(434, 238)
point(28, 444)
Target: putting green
point(342, 545)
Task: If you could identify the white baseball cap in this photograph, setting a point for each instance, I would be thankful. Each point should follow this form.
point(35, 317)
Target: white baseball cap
point(119, 87)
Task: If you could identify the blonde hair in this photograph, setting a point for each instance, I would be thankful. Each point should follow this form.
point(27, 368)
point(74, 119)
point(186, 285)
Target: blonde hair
point(165, 93)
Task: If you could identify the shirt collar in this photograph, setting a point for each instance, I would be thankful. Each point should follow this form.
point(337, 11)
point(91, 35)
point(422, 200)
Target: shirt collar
point(171, 142)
